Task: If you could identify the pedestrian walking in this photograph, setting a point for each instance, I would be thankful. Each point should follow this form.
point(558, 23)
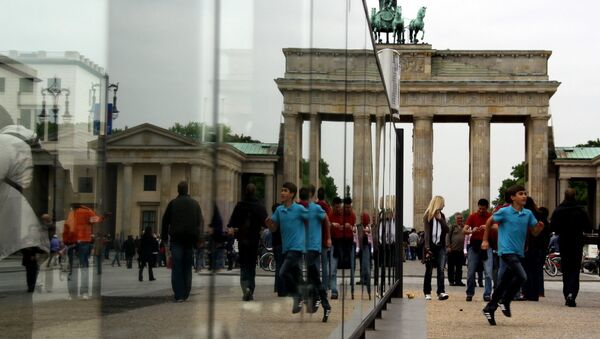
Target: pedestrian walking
point(535, 254)
point(246, 222)
point(476, 257)
point(569, 221)
point(434, 246)
point(182, 225)
point(413, 243)
point(129, 249)
point(326, 237)
point(117, 246)
point(456, 258)
point(343, 222)
point(148, 248)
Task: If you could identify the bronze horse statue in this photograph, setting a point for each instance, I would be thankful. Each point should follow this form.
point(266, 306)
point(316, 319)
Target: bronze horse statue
point(388, 20)
point(417, 25)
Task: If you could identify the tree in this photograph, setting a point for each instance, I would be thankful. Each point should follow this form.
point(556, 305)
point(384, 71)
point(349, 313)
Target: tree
point(195, 130)
point(518, 178)
point(465, 214)
point(325, 180)
point(590, 143)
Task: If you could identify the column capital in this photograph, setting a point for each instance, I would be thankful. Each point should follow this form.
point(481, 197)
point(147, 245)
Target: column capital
point(166, 163)
point(288, 114)
point(127, 164)
point(539, 117)
point(481, 117)
point(422, 117)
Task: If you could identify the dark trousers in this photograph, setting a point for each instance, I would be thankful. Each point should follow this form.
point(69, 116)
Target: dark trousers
point(279, 284)
point(248, 254)
point(534, 267)
point(147, 260)
point(510, 280)
point(31, 267)
point(291, 273)
point(129, 260)
point(439, 260)
point(316, 289)
point(181, 273)
point(571, 266)
point(456, 261)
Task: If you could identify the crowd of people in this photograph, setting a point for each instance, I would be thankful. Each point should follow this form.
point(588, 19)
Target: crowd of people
point(508, 245)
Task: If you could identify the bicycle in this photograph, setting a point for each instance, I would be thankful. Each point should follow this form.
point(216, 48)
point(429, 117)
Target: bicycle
point(552, 264)
point(267, 260)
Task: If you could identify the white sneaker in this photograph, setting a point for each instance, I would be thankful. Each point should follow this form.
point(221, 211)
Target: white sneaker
point(427, 296)
point(442, 296)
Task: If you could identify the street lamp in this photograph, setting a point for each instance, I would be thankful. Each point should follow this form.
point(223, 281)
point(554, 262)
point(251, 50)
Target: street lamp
point(55, 90)
point(110, 87)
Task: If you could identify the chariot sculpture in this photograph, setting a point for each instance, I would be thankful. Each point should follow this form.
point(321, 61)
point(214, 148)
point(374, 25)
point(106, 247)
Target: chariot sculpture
point(389, 20)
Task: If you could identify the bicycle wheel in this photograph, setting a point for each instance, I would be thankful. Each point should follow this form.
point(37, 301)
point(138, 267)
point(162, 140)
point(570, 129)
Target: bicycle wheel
point(272, 263)
point(550, 268)
point(264, 261)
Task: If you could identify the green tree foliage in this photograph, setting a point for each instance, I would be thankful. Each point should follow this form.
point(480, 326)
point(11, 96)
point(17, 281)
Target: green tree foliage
point(195, 130)
point(465, 214)
point(590, 143)
point(325, 179)
point(518, 178)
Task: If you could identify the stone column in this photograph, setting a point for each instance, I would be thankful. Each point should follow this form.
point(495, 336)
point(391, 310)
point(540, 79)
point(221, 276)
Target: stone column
point(479, 160)
point(126, 224)
point(314, 155)
point(165, 188)
point(537, 158)
point(379, 123)
point(269, 193)
point(563, 185)
point(422, 167)
point(292, 147)
point(195, 182)
point(362, 174)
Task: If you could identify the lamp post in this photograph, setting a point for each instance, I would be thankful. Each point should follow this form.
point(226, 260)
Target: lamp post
point(55, 90)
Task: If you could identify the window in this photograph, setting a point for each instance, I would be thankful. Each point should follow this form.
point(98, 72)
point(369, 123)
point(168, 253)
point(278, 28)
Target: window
point(149, 182)
point(85, 185)
point(26, 85)
point(25, 118)
point(148, 219)
point(2, 81)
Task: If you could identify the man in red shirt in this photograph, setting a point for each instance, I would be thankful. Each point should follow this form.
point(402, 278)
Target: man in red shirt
point(326, 238)
point(343, 222)
point(475, 227)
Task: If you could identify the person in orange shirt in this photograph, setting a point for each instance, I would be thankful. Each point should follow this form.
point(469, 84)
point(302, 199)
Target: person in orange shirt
point(78, 233)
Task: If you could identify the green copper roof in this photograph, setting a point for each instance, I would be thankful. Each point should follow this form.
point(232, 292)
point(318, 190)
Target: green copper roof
point(580, 153)
point(255, 148)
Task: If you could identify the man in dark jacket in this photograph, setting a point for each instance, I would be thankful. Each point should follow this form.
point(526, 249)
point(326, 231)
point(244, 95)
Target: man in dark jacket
point(569, 222)
point(246, 222)
point(182, 225)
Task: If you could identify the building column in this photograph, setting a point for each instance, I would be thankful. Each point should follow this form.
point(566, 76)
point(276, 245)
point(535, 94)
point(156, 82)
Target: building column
point(292, 147)
point(314, 155)
point(479, 160)
point(269, 194)
point(165, 188)
point(563, 185)
point(422, 167)
point(362, 174)
point(126, 225)
point(379, 124)
point(536, 155)
point(195, 182)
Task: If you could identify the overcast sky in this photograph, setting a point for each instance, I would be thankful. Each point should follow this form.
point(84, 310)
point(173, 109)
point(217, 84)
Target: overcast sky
point(161, 53)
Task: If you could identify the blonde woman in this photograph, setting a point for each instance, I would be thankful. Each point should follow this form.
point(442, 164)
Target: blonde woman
point(434, 246)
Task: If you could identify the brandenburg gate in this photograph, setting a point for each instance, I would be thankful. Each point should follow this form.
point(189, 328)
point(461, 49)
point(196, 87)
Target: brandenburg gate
point(478, 87)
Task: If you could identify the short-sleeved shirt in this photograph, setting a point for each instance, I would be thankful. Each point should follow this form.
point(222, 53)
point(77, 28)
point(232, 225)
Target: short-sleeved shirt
point(291, 223)
point(512, 229)
point(476, 220)
point(316, 214)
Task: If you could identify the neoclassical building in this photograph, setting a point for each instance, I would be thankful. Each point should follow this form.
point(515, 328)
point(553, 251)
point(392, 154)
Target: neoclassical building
point(145, 163)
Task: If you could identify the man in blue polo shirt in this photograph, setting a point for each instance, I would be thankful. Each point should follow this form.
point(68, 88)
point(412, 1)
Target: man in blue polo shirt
point(513, 223)
point(317, 220)
point(290, 217)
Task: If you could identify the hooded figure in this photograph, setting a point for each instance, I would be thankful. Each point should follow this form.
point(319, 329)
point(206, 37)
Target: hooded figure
point(21, 227)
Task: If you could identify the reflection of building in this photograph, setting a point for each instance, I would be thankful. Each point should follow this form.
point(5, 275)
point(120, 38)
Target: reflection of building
point(65, 166)
point(581, 164)
point(146, 162)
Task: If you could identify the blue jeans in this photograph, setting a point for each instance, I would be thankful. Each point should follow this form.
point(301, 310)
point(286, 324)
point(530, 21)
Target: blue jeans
point(510, 281)
point(83, 253)
point(325, 266)
point(181, 273)
point(474, 257)
point(199, 263)
point(334, 265)
point(365, 267)
point(439, 259)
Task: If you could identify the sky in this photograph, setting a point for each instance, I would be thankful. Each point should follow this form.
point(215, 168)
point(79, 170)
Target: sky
point(162, 54)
